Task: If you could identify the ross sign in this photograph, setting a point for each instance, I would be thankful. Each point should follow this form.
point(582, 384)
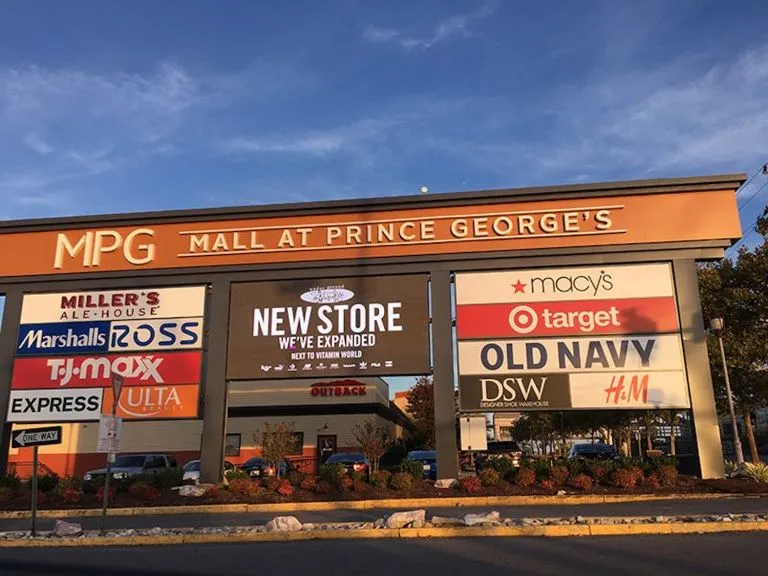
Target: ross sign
point(75, 405)
point(154, 402)
point(90, 371)
point(337, 327)
point(604, 337)
point(110, 434)
point(36, 437)
point(376, 233)
point(187, 301)
point(101, 337)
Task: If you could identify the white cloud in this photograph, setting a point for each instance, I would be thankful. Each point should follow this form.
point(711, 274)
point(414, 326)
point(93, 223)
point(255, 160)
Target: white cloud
point(453, 27)
point(35, 142)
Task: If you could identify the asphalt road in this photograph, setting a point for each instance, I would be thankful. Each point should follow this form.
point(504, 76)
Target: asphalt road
point(654, 508)
point(699, 555)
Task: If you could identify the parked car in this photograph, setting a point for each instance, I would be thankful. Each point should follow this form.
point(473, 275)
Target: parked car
point(593, 452)
point(352, 462)
point(192, 470)
point(129, 465)
point(428, 459)
point(499, 449)
point(257, 467)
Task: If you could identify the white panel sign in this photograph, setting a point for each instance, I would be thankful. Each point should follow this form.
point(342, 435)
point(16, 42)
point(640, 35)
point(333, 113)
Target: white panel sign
point(473, 433)
point(145, 303)
point(65, 405)
point(110, 434)
point(630, 353)
point(563, 284)
point(629, 390)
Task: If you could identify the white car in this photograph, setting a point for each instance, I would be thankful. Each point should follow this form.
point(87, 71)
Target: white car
point(192, 470)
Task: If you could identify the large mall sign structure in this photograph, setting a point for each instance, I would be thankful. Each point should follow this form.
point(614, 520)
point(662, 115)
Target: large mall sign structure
point(557, 298)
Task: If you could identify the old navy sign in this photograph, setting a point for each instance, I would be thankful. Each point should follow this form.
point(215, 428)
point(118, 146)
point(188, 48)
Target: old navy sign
point(93, 306)
point(90, 371)
point(52, 339)
point(663, 352)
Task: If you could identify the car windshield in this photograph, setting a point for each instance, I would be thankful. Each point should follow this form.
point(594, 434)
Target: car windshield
point(193, 466)
point(342, 458)
point(129, 461)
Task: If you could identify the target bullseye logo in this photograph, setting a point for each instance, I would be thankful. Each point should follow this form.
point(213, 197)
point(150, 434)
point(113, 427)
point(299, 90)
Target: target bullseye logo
point(523, 319)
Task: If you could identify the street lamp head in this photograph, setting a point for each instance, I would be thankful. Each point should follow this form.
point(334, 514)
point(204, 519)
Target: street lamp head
point(716, 324)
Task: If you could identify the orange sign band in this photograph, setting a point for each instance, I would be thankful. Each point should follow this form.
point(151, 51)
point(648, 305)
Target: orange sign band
point(617, 220)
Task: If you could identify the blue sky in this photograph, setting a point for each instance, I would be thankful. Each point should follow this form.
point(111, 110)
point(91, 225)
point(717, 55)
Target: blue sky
point(143, 105)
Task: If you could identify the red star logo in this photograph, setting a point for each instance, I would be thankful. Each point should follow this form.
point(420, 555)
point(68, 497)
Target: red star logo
point(518, 286)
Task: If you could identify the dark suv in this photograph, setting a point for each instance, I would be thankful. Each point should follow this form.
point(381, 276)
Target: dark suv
point(129, 465)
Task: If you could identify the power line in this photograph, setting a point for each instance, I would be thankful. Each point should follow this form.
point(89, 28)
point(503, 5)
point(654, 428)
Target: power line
point(755, 194)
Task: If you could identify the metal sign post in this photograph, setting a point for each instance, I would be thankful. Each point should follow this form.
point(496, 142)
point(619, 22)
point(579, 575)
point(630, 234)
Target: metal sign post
point(117, 388)
point(35, 438)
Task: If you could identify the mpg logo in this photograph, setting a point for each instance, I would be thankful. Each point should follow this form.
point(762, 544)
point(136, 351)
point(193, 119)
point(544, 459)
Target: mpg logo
point(65, 338)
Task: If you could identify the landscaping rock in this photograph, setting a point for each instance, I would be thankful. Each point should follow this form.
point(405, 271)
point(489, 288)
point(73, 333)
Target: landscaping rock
point(446, 483)
point(561, 492)
point(446, 521)
point(64, 529)
point(283, 524)
point(307, 527)
point(490, 518)
point(412, 519)
point(191, 491)
point(380, 523)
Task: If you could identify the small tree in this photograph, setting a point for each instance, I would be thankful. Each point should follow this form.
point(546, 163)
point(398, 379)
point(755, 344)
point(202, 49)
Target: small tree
point(421, 404)
point(276, 442)
point(373, 441)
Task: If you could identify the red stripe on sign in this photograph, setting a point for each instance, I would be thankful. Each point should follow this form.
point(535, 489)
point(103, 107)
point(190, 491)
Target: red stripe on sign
point(142, 369)
point(628, 316)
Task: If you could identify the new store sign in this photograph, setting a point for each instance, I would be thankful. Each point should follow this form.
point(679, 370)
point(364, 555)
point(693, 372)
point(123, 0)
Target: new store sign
point(608, 337)
point(70, 345)
point(345, 326)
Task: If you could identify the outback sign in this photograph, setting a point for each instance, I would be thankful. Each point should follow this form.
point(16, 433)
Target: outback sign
point(339, 327)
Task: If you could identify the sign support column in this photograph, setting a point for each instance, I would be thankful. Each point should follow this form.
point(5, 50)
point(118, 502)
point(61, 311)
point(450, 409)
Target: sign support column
point(703, 408)
point(8, 335)
point(215, 385)
point(442, 363)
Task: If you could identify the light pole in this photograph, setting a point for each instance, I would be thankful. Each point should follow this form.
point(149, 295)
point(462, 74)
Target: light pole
point(718, 325)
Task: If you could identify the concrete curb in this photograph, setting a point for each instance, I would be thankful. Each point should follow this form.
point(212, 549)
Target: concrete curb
point(450, 532)
point(390, 504)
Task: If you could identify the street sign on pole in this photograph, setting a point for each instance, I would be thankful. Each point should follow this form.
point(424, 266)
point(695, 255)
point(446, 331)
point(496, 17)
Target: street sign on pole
point(117, 388)
point(110, 431)
point(36, 437)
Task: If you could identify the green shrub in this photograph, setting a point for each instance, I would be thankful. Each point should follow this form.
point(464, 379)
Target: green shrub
point(295, 478)
point(75, 482)
point(7, 494)
point(11, 481)
point(323, 487)
point(238, 474)
point(380, 479)
point(401, 481)
point(525, 477)
point(756, 472)
point(504, 466)
point(489, 477)
point(168, 479)
point(730, 467)
point(542, 468)
point(333, 474)
point(575, 466)
point(48, 482)
point(599, 471)
point(414, 468)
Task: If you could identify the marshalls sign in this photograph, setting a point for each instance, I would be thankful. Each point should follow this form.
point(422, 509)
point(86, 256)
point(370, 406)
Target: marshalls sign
point(329, 328)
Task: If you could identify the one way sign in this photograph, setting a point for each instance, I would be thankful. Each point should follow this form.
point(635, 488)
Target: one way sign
point(37, 437)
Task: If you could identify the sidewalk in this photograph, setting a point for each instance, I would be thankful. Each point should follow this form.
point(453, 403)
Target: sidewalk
point(739, 505)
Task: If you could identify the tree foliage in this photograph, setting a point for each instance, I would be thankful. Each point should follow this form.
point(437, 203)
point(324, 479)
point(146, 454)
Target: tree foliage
point(276, 441)
point(737, 291)
point(373, 440)
point(421, 405)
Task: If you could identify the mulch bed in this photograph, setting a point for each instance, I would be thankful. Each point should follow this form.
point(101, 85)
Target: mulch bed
point(687, 485)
